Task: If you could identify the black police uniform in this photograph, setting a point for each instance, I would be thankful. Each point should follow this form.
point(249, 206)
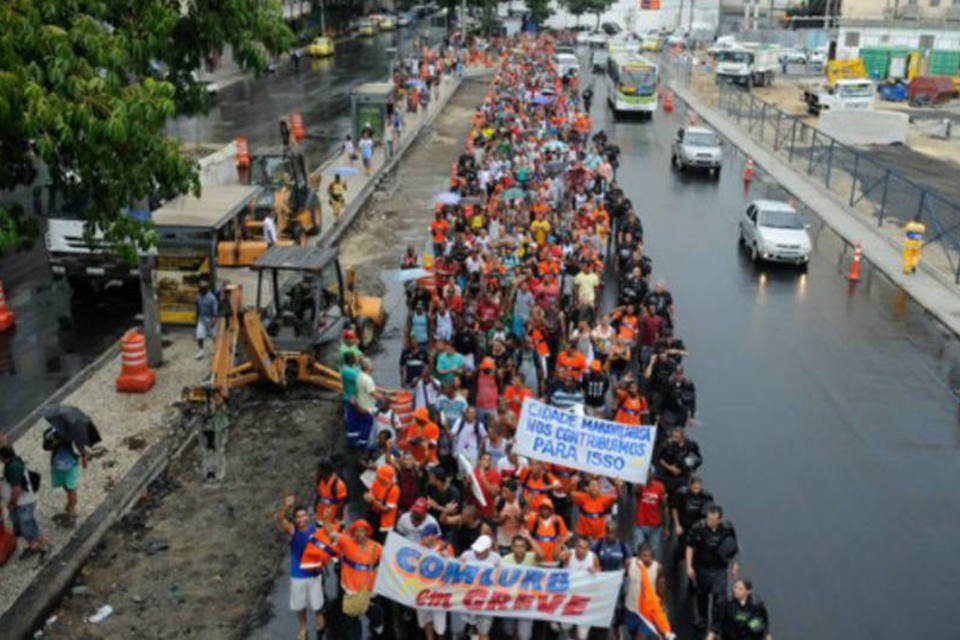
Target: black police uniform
point(713, 549)
point(735, 621)
point(678, 455)
point(691, 508)
point(659, 384)
point(679, 403)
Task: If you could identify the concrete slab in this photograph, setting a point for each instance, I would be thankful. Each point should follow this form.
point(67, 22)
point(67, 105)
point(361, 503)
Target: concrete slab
point(858, 127)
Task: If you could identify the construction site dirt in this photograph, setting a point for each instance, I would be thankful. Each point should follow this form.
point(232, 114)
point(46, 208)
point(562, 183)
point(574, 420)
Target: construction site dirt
point(198, 559)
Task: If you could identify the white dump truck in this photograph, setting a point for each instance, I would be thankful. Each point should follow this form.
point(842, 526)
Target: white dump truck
point(747, 63)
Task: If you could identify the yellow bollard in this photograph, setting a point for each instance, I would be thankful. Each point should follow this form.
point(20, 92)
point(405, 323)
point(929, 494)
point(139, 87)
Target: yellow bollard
point(912, 245)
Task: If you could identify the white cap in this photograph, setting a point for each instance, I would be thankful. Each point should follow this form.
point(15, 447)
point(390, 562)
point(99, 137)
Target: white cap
point(483, 543)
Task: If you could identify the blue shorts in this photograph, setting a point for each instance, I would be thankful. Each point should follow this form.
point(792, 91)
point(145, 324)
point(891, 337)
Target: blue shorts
point(66, 479)
point(25, 521)
point(636, 626)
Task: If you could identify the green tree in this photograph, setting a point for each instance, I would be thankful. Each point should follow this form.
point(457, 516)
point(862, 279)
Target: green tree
point(597, 8)
point(576, 7)
point(86, 87)
point(539, 10)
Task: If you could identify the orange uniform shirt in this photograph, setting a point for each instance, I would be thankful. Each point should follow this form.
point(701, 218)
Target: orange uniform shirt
point(429, 435)
point(358, 570)
point(592, 513)
point(387, 497)
point(547, 533)
point(571, 366)
point(331, 496)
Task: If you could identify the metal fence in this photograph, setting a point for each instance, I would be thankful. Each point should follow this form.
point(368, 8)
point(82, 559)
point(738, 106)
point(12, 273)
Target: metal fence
point(874, 188)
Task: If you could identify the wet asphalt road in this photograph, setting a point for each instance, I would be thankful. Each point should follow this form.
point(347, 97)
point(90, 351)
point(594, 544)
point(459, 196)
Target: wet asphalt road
point(58, 334)
point(829, 429)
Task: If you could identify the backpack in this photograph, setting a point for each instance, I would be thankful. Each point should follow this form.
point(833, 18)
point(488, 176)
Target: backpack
point(51, 439)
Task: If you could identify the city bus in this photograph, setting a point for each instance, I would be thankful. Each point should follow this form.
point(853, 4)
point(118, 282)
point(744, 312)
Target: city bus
point(632, 83)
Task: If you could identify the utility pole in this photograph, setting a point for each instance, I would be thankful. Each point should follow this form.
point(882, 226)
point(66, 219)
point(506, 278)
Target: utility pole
point(679, 15)
point(151, 307)
point(323, 18)
point(690, 18)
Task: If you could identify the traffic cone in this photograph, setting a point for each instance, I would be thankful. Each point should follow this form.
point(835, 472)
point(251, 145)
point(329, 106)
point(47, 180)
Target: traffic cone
point(748, 171)
point(7, 319)
point(854, 274)
point(135, 376)
point(668, 101)
point(296, 126)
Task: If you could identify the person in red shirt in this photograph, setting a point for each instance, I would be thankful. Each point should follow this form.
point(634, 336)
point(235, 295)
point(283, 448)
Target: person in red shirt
point(650, 327)
point(489, 480)
point(651, 512)
point(592, 510)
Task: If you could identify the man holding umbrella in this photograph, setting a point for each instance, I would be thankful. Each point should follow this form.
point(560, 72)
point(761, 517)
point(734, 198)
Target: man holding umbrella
point(67, 438)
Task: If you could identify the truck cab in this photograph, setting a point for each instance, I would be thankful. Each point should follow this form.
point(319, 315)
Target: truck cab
point(845, 87)
point(747, 64)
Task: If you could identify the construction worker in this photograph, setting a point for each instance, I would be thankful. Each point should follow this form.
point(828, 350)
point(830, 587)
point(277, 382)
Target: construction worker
point(592, 509)
point(422, 436)
point(382, 499)
point(571, 364)
point(549, 531)
point(336, 191)
point(331, 493)
point(306, 583)
point(536, 481)
point(632, 407)
point(912, 245)
point(359, 558)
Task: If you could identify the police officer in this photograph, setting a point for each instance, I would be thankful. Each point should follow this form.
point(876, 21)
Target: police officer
point(742, 616)
point(659, 374)
point(587, 96)
point(677, 459)
point(688, 506)
point(711, 551)
point(679, 401)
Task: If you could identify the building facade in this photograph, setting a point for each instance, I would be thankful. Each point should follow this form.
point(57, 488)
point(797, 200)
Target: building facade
point(921, 25)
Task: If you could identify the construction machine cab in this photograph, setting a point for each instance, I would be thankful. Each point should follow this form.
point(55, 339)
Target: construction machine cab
point(306, 300)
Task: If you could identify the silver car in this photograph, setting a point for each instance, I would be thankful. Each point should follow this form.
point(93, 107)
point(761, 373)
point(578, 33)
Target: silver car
point(697, 148)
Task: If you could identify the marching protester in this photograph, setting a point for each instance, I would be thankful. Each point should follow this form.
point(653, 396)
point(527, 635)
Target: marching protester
point(306, 585)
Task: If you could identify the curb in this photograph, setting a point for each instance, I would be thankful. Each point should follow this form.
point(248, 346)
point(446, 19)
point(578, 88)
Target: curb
point(846, 227)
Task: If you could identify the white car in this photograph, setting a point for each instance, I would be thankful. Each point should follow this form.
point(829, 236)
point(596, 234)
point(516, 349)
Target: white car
point(793, 56)
point(567, 62)
point(773, 231)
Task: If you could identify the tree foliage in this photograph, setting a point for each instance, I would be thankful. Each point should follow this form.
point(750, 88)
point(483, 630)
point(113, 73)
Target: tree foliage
point(539, 10)
point(86, 87)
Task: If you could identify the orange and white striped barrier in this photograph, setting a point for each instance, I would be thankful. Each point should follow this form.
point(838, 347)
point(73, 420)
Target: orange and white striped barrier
point(135, 375)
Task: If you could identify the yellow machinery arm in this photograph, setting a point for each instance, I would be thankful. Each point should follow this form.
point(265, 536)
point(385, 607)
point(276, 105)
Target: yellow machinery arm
point(260, 358)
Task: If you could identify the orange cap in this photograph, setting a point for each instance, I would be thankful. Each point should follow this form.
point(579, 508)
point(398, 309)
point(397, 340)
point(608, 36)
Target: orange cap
point(596, 366)
point(386, 473)
point(421, 413)
point(488, 363)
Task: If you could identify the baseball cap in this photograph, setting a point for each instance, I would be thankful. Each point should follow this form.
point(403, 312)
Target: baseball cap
point(481, 544)
point(430, 531)
point(419, 506)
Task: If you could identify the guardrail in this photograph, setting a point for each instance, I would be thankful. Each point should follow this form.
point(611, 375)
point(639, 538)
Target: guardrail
point(873, 187)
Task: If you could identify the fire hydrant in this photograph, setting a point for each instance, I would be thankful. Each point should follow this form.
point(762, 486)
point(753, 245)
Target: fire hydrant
point(912, 245)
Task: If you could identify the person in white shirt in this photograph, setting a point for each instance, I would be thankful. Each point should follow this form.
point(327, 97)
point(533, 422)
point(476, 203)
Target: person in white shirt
point(481, 552)
point(468, 432)
point(581, 559)
point(416, 523)
point(270, 229)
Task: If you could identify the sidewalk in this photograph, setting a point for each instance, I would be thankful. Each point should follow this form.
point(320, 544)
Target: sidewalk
point(140, 432)
point(931, 287)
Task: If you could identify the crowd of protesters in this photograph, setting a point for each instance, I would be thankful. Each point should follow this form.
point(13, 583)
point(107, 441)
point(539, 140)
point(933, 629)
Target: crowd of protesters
point(515, 305)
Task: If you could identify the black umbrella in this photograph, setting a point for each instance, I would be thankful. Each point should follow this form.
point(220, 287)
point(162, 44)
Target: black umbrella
point(72, 425)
